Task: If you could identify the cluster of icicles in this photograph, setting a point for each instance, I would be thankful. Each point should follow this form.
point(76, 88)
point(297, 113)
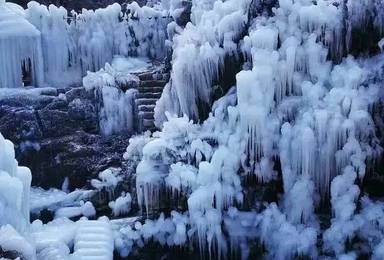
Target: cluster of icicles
point(293, 112)
point(217, 28)
point(92, 38)
point(70, 44)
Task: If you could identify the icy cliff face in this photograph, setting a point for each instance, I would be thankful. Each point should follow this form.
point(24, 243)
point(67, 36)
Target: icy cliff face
point(198, 55)
point(301, 111)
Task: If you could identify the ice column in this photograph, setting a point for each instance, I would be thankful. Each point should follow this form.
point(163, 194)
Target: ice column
point(15, 184)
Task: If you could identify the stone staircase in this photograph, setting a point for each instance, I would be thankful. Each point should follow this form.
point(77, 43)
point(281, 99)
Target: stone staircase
point(94, 240)
point(149, 91)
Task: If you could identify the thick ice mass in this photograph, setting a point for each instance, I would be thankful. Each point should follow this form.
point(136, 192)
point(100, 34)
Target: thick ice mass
point(20, 49)
point(300, 106)
point(15, 183)
point(198, 55)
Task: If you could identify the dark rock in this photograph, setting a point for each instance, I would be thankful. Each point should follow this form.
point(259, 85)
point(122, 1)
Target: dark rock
point(57, 104)
point(185, 16)
point(10, 255)
point(56, 133)
point(44, 215)
point(79, 156)
point(35, 101)
point(80, 93)
point(57, 136)
point(55, 123)
point(19, 124)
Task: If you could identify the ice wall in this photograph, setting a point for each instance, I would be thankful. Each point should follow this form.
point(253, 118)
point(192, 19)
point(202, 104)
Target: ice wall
point(60, 47)
point(20, 46)
point(297, 105)
point(336, 24)
point(57, 45)
point(74, 43)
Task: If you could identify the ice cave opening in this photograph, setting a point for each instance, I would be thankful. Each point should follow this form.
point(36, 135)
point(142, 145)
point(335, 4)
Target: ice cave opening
point(26, 69)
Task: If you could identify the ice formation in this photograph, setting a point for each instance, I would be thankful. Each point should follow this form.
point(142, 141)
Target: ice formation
point(10, 240)
point(15, 182)
point(198, 55)
point(301, 107)
point(54, 199)
point(92, 38)
point(108, 179)
point(85, 209)
point(121, 205)
point(63, 46)
point(166, 231)
point(20, 49)
point(118, 110)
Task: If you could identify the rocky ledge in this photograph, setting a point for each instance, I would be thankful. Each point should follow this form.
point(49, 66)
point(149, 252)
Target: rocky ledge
point(56, 134)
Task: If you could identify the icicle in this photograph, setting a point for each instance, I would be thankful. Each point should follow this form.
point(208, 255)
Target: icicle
point(117, 113)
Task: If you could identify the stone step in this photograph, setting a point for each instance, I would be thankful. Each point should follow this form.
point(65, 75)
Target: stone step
point(146, 114)
point(146, 107)
point(146, 101)
point(153, 83)
point(156, 95)
point(157, 75)
point(148, 123)
point(145, 76)
point(150, 89)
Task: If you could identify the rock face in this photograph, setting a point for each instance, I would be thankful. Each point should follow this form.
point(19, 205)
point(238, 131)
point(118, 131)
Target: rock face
point(56, 133)
point(10, 255)
point(185, 16)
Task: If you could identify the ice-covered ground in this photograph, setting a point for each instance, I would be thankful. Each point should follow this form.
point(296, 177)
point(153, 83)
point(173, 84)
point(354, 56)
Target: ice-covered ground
point(27, 92)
